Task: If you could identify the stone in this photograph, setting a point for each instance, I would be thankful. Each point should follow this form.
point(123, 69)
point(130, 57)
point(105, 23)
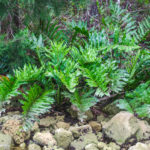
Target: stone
point(95, 126)
point(89, 115)
point(34, 147)
point(102, 118)
point(111, 109)
point(124, 126)
point(63, 137)
point(44, 138)
point(22, 146)
point(114, 146)
point(99, 136)
point(35, 127)
point(63, 125)
point(6, 142)
point(83, 141)
point(103, 146)
point(52, 148)
point(13, 128)
point(73, 111)
point(91, 147)
point(140, 146)
point(47, 122)
point(60, 118)
point(80, 130)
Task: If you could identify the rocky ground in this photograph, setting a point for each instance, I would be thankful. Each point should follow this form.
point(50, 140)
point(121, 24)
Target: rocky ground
point(123, 131)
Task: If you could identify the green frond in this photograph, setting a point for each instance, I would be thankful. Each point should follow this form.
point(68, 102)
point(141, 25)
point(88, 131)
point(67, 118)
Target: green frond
point(143, 30)
point(36, 102)
point(8, 88)
point(28, 73)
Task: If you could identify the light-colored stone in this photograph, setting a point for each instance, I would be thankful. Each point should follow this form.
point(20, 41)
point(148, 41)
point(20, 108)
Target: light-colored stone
point(80, 130)
point(95, 126)
point(63, 137)
point(22, 146)
point(52, 148)
point(84, 140)
point(63, 125)
point(125, 125)
point(35, 127)
point(91, 147)
point(6, 142)
point(34, 147)
point(99, 136)
point(103, 146)
point(140, 146)
point(114, 146)
point(13, 128)
point(44, 138)
point(48, 121)
point(89, 115)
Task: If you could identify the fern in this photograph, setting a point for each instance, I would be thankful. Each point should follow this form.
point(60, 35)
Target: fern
point(137, 101)
point(143, 30)
point(83, 100)
point(28, 73)
point(36, 102)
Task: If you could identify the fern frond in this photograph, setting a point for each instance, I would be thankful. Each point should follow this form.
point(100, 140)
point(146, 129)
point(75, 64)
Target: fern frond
point(28, 73)
point(36, 102)
point(143, 30)
point(8, 88)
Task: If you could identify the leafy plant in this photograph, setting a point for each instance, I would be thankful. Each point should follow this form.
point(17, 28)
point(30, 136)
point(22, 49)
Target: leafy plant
point(83, 100)
point(36, 102)
point(137, 101)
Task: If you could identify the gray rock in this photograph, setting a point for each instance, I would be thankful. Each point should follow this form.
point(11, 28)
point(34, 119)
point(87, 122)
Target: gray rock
point(6, 142)
point(44, 138)
point(140, 146)
point(48, 121)
point(63, 125)
point(63, 137)
point(13, 128)
point(83, 141)
point(95, 126)
point(34, 147)
point(80, 130)
point(103, 146)
point(91, 147)
point(124, 125)
point(114, 146)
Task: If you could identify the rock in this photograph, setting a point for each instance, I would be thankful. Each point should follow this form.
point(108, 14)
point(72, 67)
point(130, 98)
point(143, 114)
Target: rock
point(143, 130)
point(35, 127)
point(63, 125)
point(44, 138)
point(47, 122)
point(12, 127)
point(83, 141)
point(102, 118)
point(95, 126)
point(60, 118)
point(63, 137)
point(99, 136)
point(140, 146)
point(73, 111)
point(34, 147)
point(103, 146)
point(89, 115)
point(52, 148)
point(22, 146)
point(114, 146)
point(91, 147)
point(6, 142)
point(111, 109)
point(80, 130)
point(124, 126)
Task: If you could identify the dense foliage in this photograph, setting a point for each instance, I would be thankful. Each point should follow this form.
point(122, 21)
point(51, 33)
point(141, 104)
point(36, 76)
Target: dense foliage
point(50, 63)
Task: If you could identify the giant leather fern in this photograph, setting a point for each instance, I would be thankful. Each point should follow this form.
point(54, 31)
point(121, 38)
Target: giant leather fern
point(36, 102)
